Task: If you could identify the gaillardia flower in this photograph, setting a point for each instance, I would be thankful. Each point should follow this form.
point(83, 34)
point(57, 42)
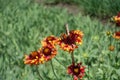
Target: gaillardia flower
point(111, 48)
point(76, 70)
point(48, 51)
point(34, 58)
point(69, 42)
point(117, 19)
point(116, 35)
point(50, 40)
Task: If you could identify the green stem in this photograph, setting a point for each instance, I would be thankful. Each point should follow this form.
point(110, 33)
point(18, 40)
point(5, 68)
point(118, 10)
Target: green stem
point(118, 47)
point(73, 62)
point(53, 70)
point(60, 62)
point(88, 69)
point(72, 56)
point(37, 71)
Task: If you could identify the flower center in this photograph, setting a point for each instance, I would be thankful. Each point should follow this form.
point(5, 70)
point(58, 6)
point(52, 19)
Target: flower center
point(76, 70)
point(47, 51)
point(69, 40)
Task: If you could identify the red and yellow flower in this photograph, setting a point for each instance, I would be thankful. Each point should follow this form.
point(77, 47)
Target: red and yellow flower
point(76, 70)
point(117, 19)
point(116, 35)
point(50, 40)
point(68, 42)
point(34, 58)
point(48, 51)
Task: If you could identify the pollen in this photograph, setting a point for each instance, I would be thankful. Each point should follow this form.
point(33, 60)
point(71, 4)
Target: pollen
point(76, 70)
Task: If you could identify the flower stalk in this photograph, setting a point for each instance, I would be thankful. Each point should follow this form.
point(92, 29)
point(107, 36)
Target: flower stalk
point(53, 70)
point(67, 31)
point(60, 62)
point(37, 71)
point(72, 56)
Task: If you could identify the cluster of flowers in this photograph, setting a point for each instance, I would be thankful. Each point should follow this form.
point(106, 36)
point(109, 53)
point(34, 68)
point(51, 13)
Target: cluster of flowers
point(116, 34)
point(48, 51)
point(116, 19)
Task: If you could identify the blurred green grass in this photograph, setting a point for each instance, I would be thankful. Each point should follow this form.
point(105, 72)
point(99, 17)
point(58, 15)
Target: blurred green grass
point(101, 8)
point(95, 8)
point(24, 23)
